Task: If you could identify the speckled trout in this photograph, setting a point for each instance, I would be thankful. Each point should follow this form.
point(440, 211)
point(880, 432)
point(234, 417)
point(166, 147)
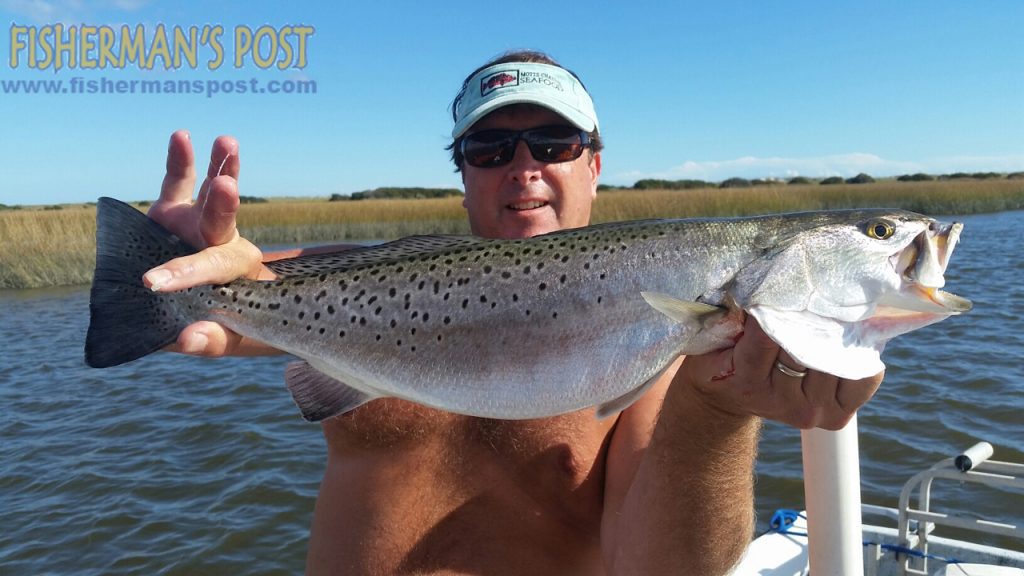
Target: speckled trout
point(541, 326)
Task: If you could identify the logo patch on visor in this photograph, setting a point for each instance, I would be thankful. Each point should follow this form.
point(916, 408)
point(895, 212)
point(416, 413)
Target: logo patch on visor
point(498, 80)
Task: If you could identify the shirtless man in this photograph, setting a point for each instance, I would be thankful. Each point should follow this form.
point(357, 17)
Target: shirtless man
point(666, 487)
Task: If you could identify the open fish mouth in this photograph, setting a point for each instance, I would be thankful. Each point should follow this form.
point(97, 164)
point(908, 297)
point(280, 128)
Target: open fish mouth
point(922, 267)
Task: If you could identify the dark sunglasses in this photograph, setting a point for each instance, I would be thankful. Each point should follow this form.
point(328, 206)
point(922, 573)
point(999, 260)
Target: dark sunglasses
point(550, 144)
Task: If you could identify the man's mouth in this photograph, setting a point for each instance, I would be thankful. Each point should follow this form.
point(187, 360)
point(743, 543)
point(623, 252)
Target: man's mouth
point(531, 205)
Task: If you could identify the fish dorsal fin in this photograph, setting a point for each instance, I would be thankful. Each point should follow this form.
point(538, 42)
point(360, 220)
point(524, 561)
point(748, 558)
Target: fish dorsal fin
point(319, 396)
point(403, 248)
point(827, 345)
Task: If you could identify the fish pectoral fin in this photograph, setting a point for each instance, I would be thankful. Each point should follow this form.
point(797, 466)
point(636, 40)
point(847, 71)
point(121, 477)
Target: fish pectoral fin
point(695, 313)
point(843, 349)
point(619, 404)
point(320, 396)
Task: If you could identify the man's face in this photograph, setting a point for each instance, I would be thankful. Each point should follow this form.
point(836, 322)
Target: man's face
point(527, 197)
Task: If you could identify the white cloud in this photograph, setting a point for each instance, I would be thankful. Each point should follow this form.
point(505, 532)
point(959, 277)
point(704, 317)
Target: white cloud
point(845, 165)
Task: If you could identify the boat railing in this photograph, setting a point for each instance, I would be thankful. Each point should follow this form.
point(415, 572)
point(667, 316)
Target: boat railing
point(972, 466)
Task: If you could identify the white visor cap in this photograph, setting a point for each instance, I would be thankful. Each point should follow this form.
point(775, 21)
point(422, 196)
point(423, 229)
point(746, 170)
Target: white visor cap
point(549, 86)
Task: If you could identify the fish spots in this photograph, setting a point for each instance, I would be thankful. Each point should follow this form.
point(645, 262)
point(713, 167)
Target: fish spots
point(297, 299)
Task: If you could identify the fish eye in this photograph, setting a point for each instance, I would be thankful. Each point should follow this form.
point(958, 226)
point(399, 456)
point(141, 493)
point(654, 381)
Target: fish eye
point(879, 229)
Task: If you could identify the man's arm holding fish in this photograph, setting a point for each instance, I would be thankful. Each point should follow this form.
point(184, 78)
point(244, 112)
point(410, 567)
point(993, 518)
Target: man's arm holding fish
point(681, 458)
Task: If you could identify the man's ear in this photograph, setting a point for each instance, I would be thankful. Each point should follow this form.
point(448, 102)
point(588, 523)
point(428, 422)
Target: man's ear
point(595, 171)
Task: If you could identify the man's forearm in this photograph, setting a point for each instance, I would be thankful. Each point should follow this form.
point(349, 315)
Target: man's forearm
point(689, 509)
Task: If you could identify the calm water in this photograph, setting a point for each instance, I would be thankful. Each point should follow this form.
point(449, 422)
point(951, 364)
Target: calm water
point(175, 465)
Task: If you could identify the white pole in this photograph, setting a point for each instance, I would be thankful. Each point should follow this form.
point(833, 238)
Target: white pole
point(832, 495)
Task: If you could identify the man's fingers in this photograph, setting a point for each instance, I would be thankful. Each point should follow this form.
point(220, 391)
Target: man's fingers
point(755, 351)
point(223, 162)
point(206, 339)
point(224, 158)
point(852, 394)
point(217, 220)
point(214, 265)
point(180, 179)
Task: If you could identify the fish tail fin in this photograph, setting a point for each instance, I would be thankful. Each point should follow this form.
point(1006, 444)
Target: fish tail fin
point(127, 320)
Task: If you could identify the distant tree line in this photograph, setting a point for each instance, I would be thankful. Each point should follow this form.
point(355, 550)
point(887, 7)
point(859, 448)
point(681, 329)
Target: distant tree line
point(398, 192)
point(862, 178)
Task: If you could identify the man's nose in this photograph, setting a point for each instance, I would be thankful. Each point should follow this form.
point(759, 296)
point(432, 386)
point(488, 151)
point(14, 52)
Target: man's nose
point(523, 166)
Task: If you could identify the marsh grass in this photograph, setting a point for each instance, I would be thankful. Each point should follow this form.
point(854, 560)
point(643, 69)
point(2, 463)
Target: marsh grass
point(57, 247)
point(933, 198)
point(47, 247)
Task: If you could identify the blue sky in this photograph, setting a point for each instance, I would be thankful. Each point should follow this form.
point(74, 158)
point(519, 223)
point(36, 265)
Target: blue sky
point(704, 90)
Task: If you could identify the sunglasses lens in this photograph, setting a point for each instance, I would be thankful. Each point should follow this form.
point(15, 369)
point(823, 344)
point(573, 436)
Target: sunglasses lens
point(551, 144)
point(555, 143)
point(489, 148)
